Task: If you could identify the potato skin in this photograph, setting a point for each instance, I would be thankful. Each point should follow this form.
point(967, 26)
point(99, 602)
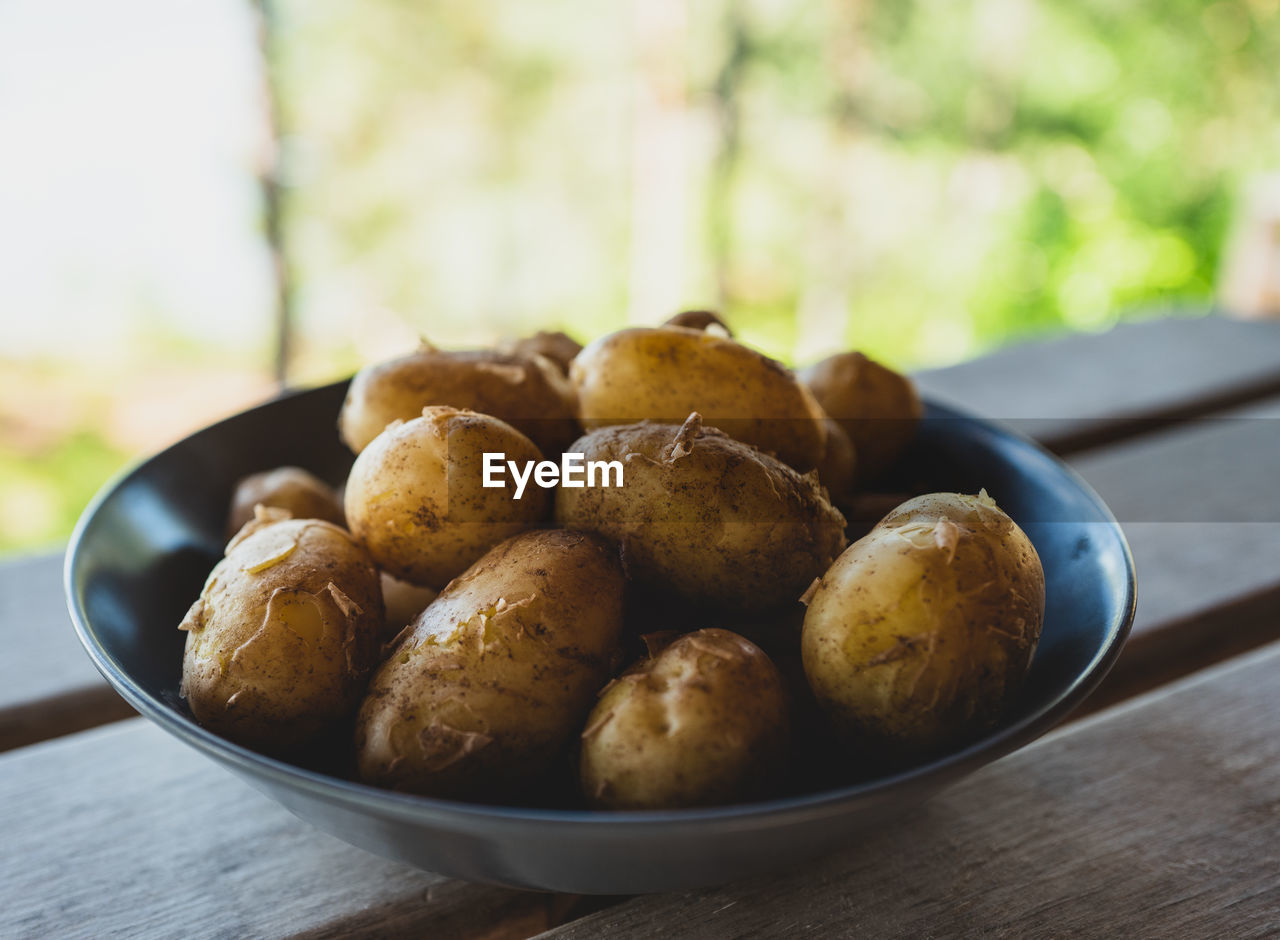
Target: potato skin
point(877, 407)
point(703, 723)
point(528, 392)
point(838, 469)
point(403, 602)
point(921, 631)
point(706, 516)
point(304, 495)
point(491, 681)
point(415, 497)
point(283, 636)
point(663, 374)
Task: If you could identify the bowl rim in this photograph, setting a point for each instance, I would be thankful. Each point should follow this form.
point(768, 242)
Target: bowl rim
point(779, 810)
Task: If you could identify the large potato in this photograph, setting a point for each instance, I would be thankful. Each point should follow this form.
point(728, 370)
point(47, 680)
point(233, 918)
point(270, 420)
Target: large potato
point(663, 374)
point(920, 632)
point(705, 515)
point(702, 723)
point(488, 685)
point(877, 407)
point(304, 495)
point(528, 392)
point(416, 499)
point(284, 634)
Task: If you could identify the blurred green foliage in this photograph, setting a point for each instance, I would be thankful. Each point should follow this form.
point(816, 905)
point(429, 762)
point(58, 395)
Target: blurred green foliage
point(921, 180)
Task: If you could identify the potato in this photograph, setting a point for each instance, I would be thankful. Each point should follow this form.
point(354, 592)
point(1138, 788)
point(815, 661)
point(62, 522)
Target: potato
point(560, 348)
point(663, 374)
point(305, 497)
point(878, 408)
point(706, 516)
point(700, 320)
point(922, 630)
point(403, 602)
point(415, 497)
point(702, 723)
point(284, 634)
point(489, 684)
point(838, 469)
point(527, 392)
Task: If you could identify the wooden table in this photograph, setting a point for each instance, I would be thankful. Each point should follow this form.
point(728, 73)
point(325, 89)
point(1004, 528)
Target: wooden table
point(1156, 815)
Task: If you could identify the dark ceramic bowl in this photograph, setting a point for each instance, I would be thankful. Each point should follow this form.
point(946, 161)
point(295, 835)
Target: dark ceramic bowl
point(143, 549)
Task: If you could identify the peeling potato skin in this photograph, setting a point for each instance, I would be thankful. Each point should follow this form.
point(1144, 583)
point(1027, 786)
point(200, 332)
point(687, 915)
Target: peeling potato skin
point(415, 497)
point(918, 635)
point(283, 636)
point(706, 516)
point(528, 392)
point(877, 407)
point(487, 686)
point(559, 347)
point(665, 373)
point(702, 723)
point(303, 494)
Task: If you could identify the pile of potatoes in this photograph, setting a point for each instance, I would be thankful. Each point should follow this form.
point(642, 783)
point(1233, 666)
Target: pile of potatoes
point(689, 638)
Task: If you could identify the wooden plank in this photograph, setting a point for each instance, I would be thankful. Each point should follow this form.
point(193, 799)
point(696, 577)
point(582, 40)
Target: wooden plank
point(1072, 392)
point(124, 831)
point(1201, 510)
point(1157, 819)
point(48, 685)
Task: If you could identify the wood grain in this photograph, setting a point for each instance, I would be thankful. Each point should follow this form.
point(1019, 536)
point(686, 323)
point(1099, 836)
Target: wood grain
point(1072, 392)
point(1157, 819)
point(124, 831)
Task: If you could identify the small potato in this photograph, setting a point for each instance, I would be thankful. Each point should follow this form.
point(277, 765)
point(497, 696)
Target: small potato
point(838, 469)
point(292, 488)
point(877, 407)
point(528, 392)
point(663, 374)
point(415, 497)
point(706, 516)
point(922, 630)
point(701, 724)
point(560, 348)
point(284, 634)
point(489, 684)
point(403, 601)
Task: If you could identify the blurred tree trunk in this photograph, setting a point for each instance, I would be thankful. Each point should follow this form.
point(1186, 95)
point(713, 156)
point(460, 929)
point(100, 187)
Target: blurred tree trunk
point(269, 181)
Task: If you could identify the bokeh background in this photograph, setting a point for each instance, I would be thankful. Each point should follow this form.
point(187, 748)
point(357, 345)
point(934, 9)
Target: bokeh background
point(200, 197)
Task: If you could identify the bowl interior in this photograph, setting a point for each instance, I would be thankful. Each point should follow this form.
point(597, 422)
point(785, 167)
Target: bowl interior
point(144, 548)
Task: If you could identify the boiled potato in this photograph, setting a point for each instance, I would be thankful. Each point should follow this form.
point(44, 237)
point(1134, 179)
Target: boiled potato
point(284, 634)
point(304, 495)
point(838, 468)
point(705, 515)
point(702, 723)
point(663, 374)
point(527, 392)
point(877, 407)
point(922, 630)
point(415, 497)
point(559, 347)
point(488, 685)
point(403, 602)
